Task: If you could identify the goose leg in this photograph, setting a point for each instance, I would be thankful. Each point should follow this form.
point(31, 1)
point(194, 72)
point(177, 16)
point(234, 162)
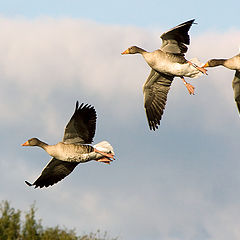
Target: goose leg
point(189, 87)
point(108, 155)
point(105, 160)
point(201, 69)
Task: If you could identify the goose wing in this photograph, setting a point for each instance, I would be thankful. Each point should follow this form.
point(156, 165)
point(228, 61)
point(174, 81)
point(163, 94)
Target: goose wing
point(236, 89)
point(82, 125)
point(174, 40)
point(55, 171)
point(155, 92)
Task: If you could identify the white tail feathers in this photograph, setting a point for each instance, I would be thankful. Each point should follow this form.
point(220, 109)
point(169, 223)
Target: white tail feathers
point(105, 147)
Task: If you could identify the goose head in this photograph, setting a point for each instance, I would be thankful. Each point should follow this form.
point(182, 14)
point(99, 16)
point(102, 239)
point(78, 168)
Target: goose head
point(214, 62)
point(133, 50)
point(33, 142)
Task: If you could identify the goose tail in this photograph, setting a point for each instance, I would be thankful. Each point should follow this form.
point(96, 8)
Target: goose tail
point(105, 152)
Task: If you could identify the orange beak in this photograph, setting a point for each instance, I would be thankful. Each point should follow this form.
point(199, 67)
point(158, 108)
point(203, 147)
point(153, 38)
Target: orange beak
point(125, 52)
point(205, 65)
point(25, 144)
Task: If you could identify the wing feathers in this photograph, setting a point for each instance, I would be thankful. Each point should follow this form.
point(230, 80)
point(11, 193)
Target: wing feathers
point(155, 96)
point(55, 171)
point(174, 40)
point(82, 125)
point(236, 89)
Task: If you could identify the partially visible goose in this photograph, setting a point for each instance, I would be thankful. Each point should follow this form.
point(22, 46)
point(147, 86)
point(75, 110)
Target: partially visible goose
point(166, 63)
point(233, 64)
point(73, 149)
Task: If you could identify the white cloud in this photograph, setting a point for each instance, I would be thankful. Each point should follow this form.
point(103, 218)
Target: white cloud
point(163, 185)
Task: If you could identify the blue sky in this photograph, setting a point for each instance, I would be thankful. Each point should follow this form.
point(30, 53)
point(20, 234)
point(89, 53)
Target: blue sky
point(210, 14)
point(180, 182)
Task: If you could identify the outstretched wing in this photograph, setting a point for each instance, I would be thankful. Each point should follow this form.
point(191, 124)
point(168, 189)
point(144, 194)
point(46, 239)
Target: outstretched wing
point(236, 88)
point(82, 125)
point(155, 92)
point(55, 171)
point(174, 40)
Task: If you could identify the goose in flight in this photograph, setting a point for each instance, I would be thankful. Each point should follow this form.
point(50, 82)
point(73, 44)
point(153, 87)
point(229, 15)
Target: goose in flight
point(166, 63)
point(75, 147)
point(233, 64)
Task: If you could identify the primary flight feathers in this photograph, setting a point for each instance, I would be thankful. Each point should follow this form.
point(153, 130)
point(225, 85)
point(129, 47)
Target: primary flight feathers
point(166, 63)
point(73, 149)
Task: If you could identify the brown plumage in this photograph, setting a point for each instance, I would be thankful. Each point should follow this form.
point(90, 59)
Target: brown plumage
point(166, 63)
point(73, 149)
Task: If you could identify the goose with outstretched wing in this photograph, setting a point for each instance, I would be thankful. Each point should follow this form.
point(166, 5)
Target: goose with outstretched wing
point(166, 63)
point(75, 147)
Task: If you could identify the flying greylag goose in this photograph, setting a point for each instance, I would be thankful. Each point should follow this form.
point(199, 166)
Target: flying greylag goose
point(233, 64)
point(166, 63)
point(73, 149)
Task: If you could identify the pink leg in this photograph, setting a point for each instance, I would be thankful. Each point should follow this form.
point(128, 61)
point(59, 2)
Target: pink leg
point(105, 160)
point(109, 155)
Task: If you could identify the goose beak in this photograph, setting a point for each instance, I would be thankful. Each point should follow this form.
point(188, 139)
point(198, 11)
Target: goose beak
point(125, 52)
point(25, 144)
point(205, 65)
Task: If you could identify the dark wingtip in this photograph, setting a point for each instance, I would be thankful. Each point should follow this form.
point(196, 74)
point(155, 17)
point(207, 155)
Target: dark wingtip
point(77, 104)
point(189, 22)
point(29, 184)
point(192, 20)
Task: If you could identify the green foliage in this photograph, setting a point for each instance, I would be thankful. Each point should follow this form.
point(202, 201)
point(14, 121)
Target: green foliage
point(31, 228)
point(96, 236)
point(59, 234)
point(12, 228)
point(9, 222)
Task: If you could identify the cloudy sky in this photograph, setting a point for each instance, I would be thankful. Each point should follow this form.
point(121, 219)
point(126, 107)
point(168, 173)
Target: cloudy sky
point(180, 182)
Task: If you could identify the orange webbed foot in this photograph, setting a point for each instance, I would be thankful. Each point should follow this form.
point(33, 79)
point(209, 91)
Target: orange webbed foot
point(189, 86)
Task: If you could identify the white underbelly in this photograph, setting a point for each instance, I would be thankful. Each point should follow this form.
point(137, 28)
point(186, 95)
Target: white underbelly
point(176, 69)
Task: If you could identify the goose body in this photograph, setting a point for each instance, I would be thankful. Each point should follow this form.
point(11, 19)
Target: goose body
point(73, 152)
point(166, 63)
point(170, 64)
point(75, 147)
point(232, 63)
point(70, 152)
